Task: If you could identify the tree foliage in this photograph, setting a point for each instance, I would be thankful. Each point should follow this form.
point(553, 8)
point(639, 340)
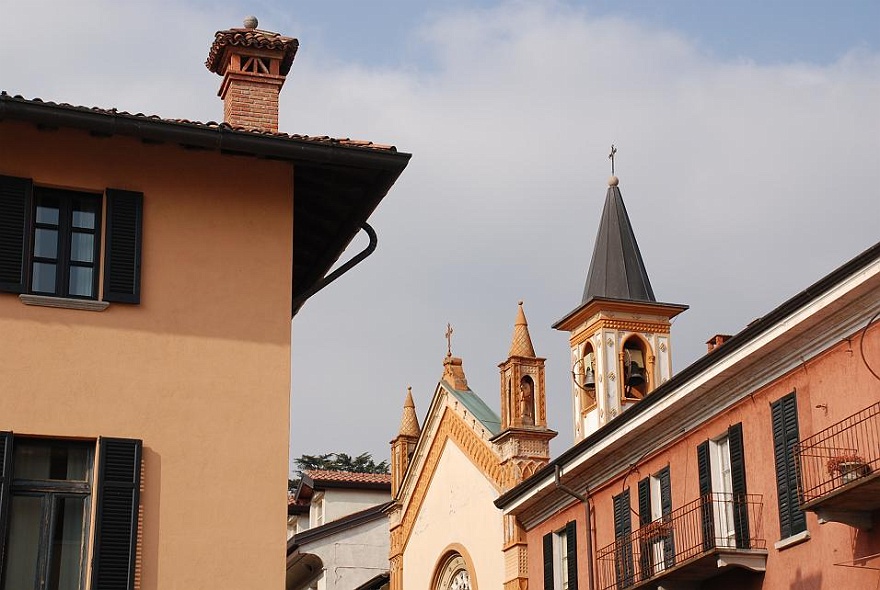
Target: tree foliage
point(363, 463)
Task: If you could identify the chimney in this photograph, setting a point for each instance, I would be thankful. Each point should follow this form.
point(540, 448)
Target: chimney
point(254, 65)
point(715, 341)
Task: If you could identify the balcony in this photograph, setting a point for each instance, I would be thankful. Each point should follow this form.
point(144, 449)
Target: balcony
point(839, 469)
point(699, 541)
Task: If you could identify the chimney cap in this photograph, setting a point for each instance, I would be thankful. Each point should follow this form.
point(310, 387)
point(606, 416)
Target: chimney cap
point(250, 38)
point(251, 22)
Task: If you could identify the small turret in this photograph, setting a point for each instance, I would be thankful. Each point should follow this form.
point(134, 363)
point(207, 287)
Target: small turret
point(404, 443)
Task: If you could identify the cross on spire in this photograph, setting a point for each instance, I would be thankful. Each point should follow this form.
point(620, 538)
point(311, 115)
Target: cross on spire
point(611, 157)
point(449, 339)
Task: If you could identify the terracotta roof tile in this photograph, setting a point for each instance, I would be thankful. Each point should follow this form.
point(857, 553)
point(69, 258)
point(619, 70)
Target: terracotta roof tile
point(348, 476)
point(250, 38)
point(323, 139)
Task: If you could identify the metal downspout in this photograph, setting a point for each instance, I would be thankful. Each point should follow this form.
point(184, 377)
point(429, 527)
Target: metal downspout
point(355, 260)
point(585, 498)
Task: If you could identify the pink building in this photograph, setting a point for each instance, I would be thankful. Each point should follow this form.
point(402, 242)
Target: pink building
point(757, 466)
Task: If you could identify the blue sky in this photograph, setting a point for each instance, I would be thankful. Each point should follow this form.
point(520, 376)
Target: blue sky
point(749, 158)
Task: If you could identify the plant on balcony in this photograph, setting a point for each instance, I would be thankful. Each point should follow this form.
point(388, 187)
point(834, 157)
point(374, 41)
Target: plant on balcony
point(850, 466)
point(656, 531)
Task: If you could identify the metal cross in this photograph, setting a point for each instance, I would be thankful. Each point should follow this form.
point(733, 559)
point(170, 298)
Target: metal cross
point(448, 339)
point(611, 157)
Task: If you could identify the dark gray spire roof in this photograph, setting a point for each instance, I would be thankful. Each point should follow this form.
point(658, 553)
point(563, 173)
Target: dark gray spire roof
point(617, 270)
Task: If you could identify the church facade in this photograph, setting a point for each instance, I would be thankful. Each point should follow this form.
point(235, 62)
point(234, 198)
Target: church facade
point(445, 531)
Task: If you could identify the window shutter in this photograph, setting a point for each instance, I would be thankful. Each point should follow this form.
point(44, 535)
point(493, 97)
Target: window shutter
point(705, 481)
point(738, 480)
point(15, 206)
point(118, 495)
point(122, 261)
point(784, 423)
point(644, 518)
point(5, 484)
point(571, 557)
point(666, 510)
point(644, 501)
point(623, 562)
point(548, 561)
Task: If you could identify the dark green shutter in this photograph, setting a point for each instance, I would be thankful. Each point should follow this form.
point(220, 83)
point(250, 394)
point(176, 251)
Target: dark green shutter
point(571, 554)
point(785, 436)
point(738, 480)
point(122, 261)
point(623, 552)
point(666, 511)
point(118, 495)
point(704, 474)
point(5, 484)
point(548, 561)
point(15, 206)
point(644, 518)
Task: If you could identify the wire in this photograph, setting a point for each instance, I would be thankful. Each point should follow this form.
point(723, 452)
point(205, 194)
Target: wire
point(862, 345)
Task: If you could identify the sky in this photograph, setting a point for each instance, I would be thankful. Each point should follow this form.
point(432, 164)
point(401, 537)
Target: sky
point(748, 137)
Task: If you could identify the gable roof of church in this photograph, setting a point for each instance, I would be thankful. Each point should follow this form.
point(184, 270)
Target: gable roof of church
point(476, 406)
point(616, 269)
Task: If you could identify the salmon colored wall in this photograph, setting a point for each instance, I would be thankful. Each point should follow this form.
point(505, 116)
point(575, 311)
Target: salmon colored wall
point(837, 378)
point(199, 370)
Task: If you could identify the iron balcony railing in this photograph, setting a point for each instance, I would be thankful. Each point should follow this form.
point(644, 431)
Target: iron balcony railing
point(838, 455)
point(716, 521)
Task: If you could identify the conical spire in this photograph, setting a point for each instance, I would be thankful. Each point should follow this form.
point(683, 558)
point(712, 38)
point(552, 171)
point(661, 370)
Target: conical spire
point(616, 269)
point(521, 345)
point(409, 423)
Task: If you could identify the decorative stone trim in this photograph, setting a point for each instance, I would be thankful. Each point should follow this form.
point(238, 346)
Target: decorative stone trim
point(63, 302)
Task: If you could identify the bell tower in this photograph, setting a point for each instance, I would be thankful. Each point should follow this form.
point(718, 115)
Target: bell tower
point(619, 335)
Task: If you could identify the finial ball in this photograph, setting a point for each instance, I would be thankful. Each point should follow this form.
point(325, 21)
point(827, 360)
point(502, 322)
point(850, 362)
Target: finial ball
point(520, 302)
point(250, 22)
point(613, 181)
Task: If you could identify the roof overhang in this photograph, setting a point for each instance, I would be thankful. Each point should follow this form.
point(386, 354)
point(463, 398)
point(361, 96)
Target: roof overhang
point(337, 183)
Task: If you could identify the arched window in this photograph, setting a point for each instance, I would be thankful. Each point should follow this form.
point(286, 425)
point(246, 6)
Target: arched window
point(585, 379)
point(453, 574)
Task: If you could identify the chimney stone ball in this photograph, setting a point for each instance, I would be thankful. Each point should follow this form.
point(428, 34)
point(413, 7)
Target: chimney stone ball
point(251, 22)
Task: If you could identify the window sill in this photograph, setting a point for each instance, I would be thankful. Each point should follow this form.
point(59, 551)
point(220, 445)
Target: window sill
point(792, 540)
point(63, 302)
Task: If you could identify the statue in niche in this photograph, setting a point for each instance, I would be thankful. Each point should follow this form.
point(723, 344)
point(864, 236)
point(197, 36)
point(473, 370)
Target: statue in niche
point(527, 401)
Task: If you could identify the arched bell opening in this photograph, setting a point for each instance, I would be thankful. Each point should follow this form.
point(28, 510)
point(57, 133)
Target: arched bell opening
point(634, 369)
point(584, 376)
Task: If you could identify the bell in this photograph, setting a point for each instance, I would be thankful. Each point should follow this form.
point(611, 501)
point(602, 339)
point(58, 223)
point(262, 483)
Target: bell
point(590, 379)
point(636, 377)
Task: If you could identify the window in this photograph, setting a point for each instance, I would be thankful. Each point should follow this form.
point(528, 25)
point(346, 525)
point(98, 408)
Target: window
point(46, 490)
point(785, 436)
point(722, 481)
point(560, 558)
point(655, 504)
point(50, 242)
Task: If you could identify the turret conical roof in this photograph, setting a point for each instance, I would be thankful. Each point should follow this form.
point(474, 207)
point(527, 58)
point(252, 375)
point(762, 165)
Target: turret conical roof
point(409, 423)
point(521, 345)
point(616, 269)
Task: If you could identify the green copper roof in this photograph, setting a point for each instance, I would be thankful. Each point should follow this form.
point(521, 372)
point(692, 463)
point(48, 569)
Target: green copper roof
point(477, 407)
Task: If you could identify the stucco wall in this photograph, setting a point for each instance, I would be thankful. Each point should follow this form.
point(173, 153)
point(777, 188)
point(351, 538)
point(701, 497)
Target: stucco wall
point(353, 556)
point(831, 386)
point(457, 509)
point(340, 502)
point(199, 370)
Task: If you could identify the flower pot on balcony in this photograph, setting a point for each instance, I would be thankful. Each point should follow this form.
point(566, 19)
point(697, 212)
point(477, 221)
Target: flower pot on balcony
point(852, 470)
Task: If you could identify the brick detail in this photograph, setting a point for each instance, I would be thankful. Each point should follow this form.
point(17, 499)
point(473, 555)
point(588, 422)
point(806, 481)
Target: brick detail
point(250, 100)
